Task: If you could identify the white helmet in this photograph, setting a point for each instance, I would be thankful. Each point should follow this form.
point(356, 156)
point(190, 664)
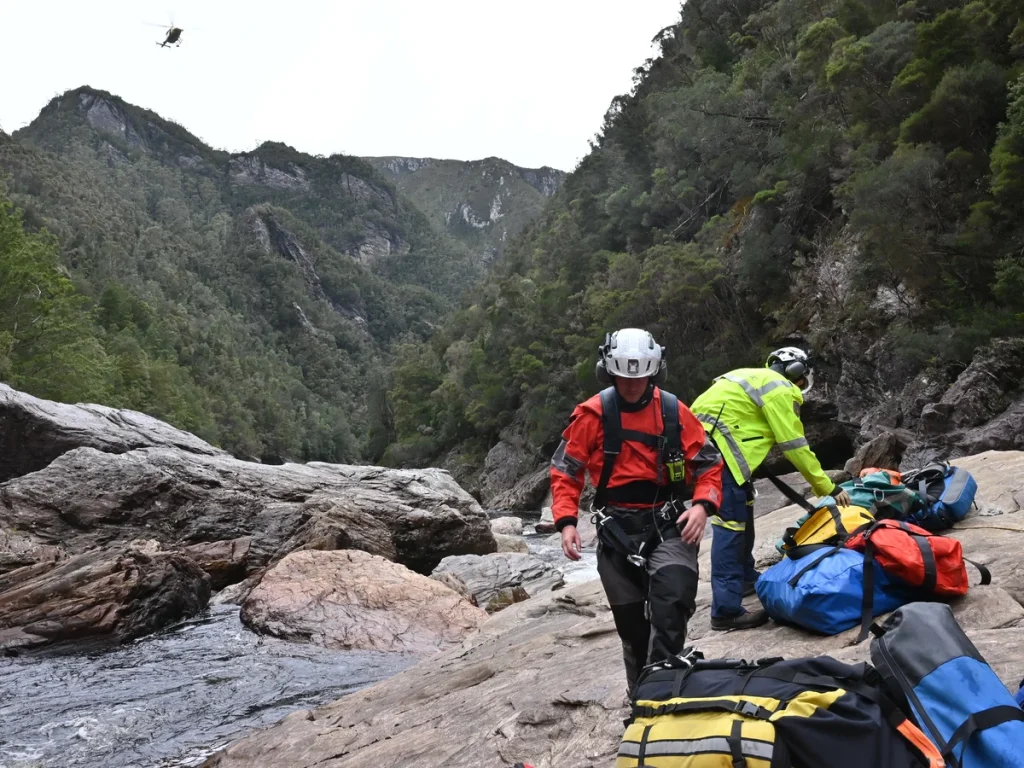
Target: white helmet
point(794, 364)
point(632, 354)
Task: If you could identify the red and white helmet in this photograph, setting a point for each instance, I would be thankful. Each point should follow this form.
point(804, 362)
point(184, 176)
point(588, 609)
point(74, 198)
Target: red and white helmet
point(632, 354)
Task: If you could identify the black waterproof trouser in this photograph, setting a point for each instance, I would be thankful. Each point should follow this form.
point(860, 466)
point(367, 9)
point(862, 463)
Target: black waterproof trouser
point(653, 604)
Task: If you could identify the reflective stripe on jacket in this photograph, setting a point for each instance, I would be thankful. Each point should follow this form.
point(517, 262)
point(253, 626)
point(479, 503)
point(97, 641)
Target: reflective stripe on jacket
point(759, 408)
point(582, 450)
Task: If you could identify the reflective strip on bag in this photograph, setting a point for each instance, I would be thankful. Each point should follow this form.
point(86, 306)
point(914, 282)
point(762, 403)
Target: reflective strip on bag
point(683, 747)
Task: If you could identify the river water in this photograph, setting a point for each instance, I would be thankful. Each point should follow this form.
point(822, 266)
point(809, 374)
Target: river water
point(168, 699)
point(175, 697)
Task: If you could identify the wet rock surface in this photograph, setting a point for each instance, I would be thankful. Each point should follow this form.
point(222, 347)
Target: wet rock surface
point(99, 596)
point(89, 499)
point(542, 680)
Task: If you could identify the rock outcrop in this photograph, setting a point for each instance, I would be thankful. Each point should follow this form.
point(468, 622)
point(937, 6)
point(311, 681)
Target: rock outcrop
point(89, 499)
point(542, 680)
point(353, 600)
point(511, 543)
point(99, 596)
point(500, 579)
point(938, 413)
point(34, 432)
point(507, 526)
point(527, 493)
point(225, 562)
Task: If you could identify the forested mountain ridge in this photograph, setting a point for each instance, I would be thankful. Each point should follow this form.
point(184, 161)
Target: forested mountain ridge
point(250, 298)
point(842, 173)
point(483, 203)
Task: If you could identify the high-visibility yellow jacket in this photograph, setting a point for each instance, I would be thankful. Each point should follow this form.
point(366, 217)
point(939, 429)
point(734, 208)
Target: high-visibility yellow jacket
point(753, 409)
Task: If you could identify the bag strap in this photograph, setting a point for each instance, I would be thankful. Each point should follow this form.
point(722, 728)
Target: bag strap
point(612, 442)
point(740, 707)
point(986, 574)
point(799, 574)
point(868, 600)
point(735, 742)
point(987, 718)
point(931, 573)
point(867, 604)
point(672, 435)
point(790, 493)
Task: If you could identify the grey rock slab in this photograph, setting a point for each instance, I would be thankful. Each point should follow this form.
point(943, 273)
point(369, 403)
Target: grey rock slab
point(494, 579)
point(34, 432)
point(87, 499)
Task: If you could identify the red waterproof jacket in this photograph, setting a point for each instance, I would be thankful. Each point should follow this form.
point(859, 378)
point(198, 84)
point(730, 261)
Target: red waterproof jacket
point(634, 480)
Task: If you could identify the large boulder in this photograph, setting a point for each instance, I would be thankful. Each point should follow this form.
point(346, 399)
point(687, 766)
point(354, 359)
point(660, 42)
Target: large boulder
point(543, 682)
point(528, 492)
point(34, 432)
point(353, 600)
point(113, 595)
point(87, 499)
point(500, 579)
point(507, 526)
point(511, 543)
point(884, 451)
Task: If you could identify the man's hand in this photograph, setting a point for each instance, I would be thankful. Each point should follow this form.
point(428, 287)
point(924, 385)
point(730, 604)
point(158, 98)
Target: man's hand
point(842, 497)
point(571, 544)
point(691, 524)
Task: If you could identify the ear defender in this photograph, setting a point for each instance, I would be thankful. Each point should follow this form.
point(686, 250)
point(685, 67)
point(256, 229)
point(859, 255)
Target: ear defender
point(662, 374)
point(601, 369)
point(796, 370)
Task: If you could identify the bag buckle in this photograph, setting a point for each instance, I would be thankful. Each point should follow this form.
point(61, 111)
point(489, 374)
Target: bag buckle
point(749, 709)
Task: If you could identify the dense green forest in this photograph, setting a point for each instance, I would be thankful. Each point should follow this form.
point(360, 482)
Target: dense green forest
point(248, 298)
point(809, 169)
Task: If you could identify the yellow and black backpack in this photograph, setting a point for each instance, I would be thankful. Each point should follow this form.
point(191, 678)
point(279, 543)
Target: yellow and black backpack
point(806, 713)
point(827, 524)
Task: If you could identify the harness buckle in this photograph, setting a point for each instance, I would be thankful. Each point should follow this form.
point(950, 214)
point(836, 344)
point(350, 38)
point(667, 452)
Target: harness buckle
point(637, 559)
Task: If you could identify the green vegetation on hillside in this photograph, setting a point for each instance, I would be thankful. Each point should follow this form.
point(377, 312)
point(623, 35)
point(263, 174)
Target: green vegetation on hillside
point(483, 203)
point(248, 298)
point(784, 167)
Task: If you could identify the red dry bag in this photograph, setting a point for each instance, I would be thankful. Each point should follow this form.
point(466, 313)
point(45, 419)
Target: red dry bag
point(922, 559)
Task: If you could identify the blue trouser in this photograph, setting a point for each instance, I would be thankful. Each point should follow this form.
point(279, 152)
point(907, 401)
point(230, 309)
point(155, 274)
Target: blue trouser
point(732, 548)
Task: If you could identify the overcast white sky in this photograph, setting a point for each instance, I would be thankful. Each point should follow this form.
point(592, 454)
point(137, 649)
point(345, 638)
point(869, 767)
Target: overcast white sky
point(526, 80)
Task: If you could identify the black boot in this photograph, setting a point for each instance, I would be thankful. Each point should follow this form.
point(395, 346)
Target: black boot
point(748, 588)
point(747, 620)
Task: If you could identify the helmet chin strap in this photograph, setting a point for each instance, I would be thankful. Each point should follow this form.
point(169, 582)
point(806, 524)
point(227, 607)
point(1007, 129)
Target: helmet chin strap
point(809, 378)
point(640, 404)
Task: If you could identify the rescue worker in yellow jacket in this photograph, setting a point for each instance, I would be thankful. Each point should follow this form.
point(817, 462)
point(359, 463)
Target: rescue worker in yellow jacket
point(746, 412)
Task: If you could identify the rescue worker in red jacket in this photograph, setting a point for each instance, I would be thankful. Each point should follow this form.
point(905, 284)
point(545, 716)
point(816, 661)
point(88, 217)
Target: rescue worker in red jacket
point(647, 448)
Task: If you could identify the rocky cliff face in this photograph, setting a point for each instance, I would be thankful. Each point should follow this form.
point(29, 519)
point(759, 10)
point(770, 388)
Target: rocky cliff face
point(484, 203)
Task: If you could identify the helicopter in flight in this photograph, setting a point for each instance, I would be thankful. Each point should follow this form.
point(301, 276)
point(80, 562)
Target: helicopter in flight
point(173, 37)
point(172, 33)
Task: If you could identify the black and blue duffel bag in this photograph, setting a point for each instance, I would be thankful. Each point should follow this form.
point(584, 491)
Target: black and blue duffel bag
point(957, 700)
